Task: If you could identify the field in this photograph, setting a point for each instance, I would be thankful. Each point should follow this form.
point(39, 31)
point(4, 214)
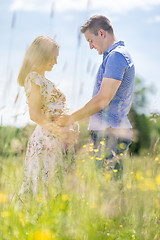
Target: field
point(90, 205)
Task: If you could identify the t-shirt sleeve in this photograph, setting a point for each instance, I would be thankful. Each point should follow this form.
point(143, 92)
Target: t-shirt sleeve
point(32, 77)
point(115, 66)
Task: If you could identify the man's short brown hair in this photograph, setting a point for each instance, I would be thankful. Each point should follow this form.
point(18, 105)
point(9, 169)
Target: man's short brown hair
point(97, 22)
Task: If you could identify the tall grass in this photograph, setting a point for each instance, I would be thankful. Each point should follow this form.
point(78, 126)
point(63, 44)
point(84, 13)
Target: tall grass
point(91, 204)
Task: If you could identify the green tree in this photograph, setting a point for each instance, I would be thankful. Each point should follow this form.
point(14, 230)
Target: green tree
point(139, 120)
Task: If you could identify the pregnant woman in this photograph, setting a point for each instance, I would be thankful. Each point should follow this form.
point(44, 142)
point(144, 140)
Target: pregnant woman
point(45, 162)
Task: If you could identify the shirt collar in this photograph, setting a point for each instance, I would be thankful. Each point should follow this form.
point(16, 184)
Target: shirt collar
point(120, 43)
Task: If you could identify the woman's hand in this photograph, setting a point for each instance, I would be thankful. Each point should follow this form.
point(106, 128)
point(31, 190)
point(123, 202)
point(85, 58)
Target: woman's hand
point(65, 120)
point(54, 128)
point(70, 137)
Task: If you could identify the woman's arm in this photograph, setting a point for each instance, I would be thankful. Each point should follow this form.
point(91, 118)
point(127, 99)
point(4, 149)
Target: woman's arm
point(36, 115)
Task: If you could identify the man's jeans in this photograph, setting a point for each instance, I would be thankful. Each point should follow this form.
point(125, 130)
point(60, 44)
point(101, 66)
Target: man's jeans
point(112, 145)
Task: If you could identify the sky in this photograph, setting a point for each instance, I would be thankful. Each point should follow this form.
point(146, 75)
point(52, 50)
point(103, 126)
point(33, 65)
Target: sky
point(135, 22)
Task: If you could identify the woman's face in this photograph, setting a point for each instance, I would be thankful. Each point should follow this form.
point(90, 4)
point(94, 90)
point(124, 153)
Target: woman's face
point(52, 61)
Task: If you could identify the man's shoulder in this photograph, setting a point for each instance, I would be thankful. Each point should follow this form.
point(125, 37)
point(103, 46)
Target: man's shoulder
point(116, 56)
point(120, 54)
point(119, 51)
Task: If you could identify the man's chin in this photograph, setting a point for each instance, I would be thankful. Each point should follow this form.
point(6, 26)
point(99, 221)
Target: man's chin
point(100, 52)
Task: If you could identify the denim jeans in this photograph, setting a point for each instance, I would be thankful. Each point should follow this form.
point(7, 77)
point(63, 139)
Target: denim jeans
point(112, 145)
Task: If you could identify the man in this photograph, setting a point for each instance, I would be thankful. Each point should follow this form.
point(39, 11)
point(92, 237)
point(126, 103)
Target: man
point(112, 95)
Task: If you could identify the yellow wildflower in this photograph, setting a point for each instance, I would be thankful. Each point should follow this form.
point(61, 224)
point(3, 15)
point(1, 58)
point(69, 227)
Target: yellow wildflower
point(102, 142)
point(131, 172)
point(121, 154)
point(106, 223)
point(5, 214)
point(90, 149)
point(97, 158)
point(120, 226)
point(83, 160)
point(115, 170)
point(139, 176)
point(108, 176)
point(147, 184)
point(96, 150)
point(65, 197)
point(158, 179)
point(84, 146)
point(91, 144)
point(3, 198)
point(92, 158)
point(129, 186)
point(157, 158)
point(44, 235)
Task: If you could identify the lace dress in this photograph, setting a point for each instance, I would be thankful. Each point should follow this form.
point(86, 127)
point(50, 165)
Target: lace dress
point(45, 161)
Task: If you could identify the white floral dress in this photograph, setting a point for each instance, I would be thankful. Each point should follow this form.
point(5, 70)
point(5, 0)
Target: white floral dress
point(45, 160)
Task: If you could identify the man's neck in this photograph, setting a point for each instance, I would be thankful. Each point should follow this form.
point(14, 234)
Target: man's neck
point(110, 40)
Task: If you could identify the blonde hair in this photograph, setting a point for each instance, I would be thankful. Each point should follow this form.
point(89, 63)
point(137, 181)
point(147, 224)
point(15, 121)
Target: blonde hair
point(38, 54)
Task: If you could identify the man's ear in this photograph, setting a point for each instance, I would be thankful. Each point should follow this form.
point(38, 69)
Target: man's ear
point(102, 33)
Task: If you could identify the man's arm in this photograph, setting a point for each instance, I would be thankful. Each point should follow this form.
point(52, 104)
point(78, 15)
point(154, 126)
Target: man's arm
point(107, 91)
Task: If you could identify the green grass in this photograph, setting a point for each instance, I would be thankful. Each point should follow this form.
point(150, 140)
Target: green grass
point(90, 206)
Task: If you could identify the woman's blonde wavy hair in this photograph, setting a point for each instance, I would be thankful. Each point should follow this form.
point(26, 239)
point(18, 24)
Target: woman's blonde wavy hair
point(38, 54)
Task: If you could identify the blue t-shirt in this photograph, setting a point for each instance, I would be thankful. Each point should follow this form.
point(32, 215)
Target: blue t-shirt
point(117, 64)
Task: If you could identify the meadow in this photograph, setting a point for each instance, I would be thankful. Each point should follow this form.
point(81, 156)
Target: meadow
point(91, 205)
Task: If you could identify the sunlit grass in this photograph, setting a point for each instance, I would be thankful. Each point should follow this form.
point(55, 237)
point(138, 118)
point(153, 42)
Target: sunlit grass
point(91, 204)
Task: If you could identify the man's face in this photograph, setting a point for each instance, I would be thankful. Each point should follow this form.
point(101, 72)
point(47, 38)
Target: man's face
point(96, 42)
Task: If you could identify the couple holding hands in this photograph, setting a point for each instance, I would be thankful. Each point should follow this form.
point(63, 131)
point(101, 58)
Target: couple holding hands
point(57, 130)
